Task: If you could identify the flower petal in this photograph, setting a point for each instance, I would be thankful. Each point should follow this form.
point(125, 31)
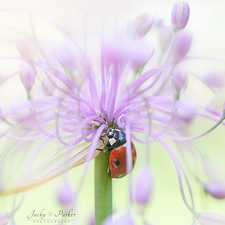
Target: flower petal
point(56, 163)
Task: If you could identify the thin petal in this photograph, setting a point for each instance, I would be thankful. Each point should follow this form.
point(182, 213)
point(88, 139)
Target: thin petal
point(56, 163)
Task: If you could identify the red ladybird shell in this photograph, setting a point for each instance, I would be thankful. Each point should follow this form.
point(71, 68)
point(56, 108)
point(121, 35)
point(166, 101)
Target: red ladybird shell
point(117, 161)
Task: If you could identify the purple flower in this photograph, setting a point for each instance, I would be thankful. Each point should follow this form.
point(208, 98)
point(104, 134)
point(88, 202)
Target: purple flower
point(76, 98)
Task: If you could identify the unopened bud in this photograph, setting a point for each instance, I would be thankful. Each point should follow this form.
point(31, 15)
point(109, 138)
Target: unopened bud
point(26, 48)
point(120, 50)
point(215, 189)
point(181, 45)
point(66, 196)
point(141, 25)
point(179, 81)
point(139, 53)
point(210, 218)
point(4, 217)
point(27, 75)
point(180, 15)
point(64, 55)
point(144, 186)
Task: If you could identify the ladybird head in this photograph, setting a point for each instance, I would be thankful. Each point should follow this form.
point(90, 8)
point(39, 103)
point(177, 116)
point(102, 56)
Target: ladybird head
point(116, 137)
point(110, 132)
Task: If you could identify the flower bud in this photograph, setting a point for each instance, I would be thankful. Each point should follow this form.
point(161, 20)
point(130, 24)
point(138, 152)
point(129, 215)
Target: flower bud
point(165, 36)
point(179, 80)
point(215, 189)
point(66, 196)
point(64, 55)
point(210, 218)
point(114, 50)
point(4, 217)
point(26, 48)
point(119, 50)
point(140, 53)
point(141, 25)
point(27, 75)
point(144, 186)
point(180, 15)
point(181, 45)
point(125, 219)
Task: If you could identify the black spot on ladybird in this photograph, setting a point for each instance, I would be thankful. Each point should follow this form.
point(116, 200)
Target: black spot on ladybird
point(117, 162)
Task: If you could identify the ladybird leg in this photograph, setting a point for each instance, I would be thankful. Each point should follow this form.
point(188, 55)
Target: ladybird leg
point(107, 148)
point(108, 170)
point(104, 150)
point(103, 135)
point(102, 140)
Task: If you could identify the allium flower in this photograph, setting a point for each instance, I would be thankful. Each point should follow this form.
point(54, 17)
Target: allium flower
point(99, 104)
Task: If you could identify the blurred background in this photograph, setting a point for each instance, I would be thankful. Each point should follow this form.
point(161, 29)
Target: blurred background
point(85, 20)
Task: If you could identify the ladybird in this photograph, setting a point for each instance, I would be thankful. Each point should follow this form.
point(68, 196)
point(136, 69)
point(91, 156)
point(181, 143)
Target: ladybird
point(117, 145)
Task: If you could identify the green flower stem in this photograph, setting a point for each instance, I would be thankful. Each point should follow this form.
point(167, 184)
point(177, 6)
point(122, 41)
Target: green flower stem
point(103, 188)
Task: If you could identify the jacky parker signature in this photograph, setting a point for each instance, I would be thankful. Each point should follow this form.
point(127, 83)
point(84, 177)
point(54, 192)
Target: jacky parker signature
point(59, 214)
